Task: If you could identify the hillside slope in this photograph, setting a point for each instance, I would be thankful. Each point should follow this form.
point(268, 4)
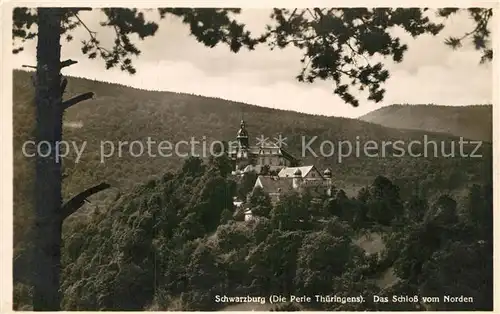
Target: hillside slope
point(120, 113)
point(472, 122)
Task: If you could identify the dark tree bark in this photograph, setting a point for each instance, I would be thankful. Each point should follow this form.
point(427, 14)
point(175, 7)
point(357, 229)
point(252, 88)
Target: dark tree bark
point(49, 114)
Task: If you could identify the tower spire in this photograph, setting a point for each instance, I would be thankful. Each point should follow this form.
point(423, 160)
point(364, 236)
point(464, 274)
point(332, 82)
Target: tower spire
point(242, 121)
point(242, 135)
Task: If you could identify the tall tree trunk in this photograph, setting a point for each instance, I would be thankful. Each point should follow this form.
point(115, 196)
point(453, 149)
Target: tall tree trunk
point(47, 251)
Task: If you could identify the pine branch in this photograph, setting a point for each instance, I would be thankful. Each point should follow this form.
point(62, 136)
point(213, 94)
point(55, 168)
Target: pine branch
point(106, 54)
point(73, 101)
point(67, 63)
point(81, 9)
point(77, 201)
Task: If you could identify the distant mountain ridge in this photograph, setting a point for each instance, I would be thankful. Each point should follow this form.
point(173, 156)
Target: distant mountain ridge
point(471, 122)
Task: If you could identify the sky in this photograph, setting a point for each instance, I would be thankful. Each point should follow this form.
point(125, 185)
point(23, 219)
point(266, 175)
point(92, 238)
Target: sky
point(172, 60)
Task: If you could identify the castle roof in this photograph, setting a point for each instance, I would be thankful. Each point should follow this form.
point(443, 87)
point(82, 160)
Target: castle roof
point(277, 185)
point(288, 172)
point(271, 150)
point(274, 184)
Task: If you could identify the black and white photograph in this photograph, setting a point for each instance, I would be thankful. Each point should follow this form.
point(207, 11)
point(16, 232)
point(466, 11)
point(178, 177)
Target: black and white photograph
point(274, 158)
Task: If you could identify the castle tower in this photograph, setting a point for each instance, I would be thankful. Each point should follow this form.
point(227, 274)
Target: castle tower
point(297, 179)
point(242, 154)
point(242, 135)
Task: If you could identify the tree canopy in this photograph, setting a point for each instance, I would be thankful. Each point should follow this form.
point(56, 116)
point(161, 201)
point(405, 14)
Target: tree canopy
point(337, 43)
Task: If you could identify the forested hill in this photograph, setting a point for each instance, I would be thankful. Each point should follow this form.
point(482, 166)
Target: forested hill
point(174, 242)
point(474, 122)
point(121, 113)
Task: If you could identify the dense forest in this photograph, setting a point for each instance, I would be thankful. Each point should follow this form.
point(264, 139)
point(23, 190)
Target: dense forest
point(167, 236)
point(174, 243)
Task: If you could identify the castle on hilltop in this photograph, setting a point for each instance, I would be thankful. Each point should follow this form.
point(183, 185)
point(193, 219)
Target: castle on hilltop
point(277, 169)
point(267, 156)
